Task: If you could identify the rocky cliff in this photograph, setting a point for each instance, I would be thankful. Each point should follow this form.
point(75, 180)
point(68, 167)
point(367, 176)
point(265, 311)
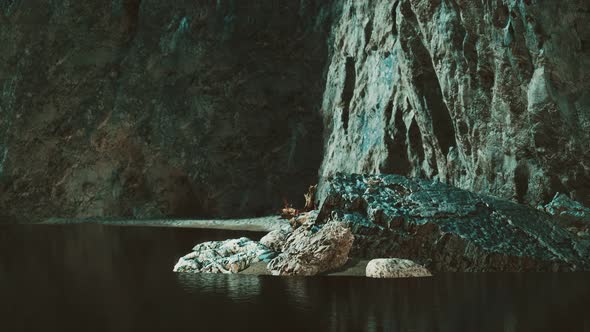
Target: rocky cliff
point(491, 96)
point(142, 108)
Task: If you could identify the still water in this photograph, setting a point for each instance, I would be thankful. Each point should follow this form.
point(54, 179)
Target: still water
point(101, 278)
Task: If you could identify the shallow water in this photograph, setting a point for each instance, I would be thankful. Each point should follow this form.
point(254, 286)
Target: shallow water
point(105, 278)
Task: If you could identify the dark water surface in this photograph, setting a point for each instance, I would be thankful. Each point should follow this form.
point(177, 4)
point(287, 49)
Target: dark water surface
point(100, 278)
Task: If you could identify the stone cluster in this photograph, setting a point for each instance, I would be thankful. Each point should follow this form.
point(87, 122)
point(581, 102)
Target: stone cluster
point(230, 256)
point(438, 227)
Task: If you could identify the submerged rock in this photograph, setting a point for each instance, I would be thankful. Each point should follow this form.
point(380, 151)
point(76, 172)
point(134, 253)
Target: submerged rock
point(310, 250)
point(395, 268)
point(446, 228)
point(230, 256)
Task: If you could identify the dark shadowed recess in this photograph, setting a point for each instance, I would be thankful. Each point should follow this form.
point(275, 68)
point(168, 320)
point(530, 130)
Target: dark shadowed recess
point(149, 109)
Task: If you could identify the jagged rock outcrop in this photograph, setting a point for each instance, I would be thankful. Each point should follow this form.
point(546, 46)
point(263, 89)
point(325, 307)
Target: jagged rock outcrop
point(448, 229)
point(311, 250)
point(145, 108)
point(395, 268)
point(230, 256)
point(491, 96)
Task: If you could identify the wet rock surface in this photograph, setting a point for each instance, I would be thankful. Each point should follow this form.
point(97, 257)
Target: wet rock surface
point(490, 96)
point(395, 268)
point(446, 228)
point(311, 250)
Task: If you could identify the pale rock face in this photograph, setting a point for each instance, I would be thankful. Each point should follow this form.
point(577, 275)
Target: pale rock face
point(230, 256)
point(490, 96)
point(310, 250)
point(395, 268)
point(276, 239)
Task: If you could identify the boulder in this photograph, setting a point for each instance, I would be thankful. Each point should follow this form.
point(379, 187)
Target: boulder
point(395, 268)
point(230, 256)
point(311, 249)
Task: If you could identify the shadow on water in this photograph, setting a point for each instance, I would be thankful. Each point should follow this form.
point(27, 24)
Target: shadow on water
point(93, 277)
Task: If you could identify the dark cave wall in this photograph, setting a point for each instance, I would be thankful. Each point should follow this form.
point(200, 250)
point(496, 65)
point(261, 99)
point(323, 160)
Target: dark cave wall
point(146, 109)
point(491, 96)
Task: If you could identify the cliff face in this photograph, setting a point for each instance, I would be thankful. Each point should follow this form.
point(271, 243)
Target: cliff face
point(491, 96)
point(141, 108)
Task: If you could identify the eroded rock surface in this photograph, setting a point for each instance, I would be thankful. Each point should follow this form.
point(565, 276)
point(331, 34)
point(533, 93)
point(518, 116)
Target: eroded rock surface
point(230, 256)
point(395, 268)
point(310, 250)
point(446, 228)
point(275, 240)
point(490, 96)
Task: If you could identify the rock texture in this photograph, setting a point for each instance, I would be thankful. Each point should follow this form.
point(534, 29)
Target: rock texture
point(563, 206)
point(275, 240)
point(231, 256)
point(149, 109)
point(395, 268)
point(491, 96)
point(448, 229)
point(146, 109)
point(311, 250)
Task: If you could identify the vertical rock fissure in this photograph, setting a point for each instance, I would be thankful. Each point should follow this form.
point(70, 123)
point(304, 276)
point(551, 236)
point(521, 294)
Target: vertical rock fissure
point(131, 16)
point(348, 90)
point(397, 153)
point(521, 182)
point(415, 144)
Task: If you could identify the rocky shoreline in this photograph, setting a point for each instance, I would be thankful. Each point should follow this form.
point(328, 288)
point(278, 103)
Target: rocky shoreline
point(425, 225)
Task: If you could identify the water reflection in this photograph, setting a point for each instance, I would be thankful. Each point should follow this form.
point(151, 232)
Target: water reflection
point(120, 279)
point(236, 287)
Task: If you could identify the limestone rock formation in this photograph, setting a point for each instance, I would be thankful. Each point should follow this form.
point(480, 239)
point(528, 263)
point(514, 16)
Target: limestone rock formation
point(395, 268)
point(230, 256)
point(448, 229)
point(310, 250)
point(491, 96)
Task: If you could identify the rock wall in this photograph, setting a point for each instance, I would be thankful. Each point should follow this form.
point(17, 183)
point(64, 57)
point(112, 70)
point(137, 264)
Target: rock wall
point(491, 96)
point(145, 108)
